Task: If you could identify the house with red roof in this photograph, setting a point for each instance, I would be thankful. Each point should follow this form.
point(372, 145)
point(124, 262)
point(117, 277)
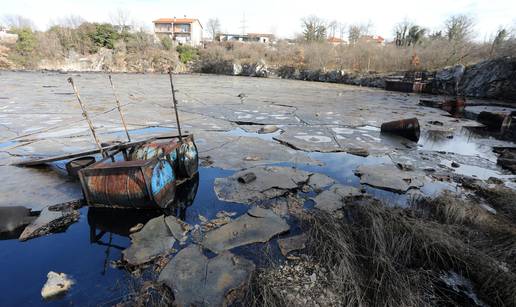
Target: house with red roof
point(186, 31)
point(373, 39)
point(336, 41)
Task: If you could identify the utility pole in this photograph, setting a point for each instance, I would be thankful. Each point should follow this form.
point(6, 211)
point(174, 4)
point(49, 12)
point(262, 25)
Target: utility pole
point(243, 22)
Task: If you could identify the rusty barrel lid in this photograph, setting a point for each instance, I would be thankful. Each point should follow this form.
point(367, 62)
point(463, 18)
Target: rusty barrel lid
point(74, 166)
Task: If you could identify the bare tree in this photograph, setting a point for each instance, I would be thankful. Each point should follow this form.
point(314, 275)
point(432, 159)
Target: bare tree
point(332, 28)
point(342, 28)
point(502, 35)
point(401, 31)
point(314, 28)
point(17, 21)
point(459, 28)
point(122, 19)
point(213, 27)
point(355, 32)
point(70, 21)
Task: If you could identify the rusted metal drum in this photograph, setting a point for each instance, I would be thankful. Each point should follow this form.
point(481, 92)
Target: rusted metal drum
point(495, 121)
point(132, 184)
point(187, 159)
point(74, 166)
point(154, 149)
point(399, 86)
point(407, 128)
point(454, 106)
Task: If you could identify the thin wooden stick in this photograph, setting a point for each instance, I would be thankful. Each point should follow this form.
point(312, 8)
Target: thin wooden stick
point(175, 106)
point(85, 115)
point(119, 108)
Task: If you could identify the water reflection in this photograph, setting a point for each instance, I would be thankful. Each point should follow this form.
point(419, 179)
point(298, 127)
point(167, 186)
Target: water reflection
point(463, 142)
point(104, 222)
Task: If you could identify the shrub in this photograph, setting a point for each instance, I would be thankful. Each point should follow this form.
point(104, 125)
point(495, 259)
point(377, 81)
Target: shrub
point(26, 41)
point(187, 53)
point(105, 35)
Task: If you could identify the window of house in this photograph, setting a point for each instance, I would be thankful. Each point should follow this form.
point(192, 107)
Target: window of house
point(183, 28)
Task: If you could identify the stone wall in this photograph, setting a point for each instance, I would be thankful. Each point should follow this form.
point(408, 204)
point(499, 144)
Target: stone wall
point(333, 76)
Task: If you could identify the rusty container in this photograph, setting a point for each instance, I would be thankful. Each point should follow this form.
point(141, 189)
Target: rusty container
point(129, 184)
point(418, 87)
point(407, 128)
point(495, 121)
point(187, 161)
point(399, 86)
point(454, 106)
point(183, 156)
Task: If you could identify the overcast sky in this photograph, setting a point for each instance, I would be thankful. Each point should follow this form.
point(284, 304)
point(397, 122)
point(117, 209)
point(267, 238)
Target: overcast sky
point(280, 17)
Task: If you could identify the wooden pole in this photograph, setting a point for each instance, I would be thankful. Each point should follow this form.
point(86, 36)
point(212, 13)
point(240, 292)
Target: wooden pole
point(119, 108)
point(85, 115)
point(175, 106)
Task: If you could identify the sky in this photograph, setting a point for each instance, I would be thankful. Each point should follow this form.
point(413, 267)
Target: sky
point(280, 17)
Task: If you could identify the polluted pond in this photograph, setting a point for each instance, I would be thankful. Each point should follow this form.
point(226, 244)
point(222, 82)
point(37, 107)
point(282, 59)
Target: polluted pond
point(267, 200)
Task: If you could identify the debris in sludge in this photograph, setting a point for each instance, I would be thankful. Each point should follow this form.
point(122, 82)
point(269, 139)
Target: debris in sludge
point(198, 281)
point(407, 128)
point(153, 240)
point(257, 225)
point(57, 284)
point(270, 182)
point(268, 129)
point(507, 158)
point(49, 221)
point(222, 218)
point(291, 244)
point(495, 121)
point(334, 198)
point(247, 177)
point(389, 177)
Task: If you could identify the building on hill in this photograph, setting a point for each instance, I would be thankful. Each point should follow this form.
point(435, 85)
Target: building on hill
point(264, 38)
point(6, 37)
point(336, 41)
point(373, 39)
point(186, 31)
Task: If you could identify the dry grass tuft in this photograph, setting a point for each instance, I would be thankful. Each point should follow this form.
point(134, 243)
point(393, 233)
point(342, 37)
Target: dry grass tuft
point(450, 209)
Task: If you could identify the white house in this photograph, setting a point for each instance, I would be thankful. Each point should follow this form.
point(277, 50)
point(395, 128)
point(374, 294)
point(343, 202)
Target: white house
point(182, 30)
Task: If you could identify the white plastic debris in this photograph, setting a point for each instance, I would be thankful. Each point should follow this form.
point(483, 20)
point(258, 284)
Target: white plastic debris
point(57, 283)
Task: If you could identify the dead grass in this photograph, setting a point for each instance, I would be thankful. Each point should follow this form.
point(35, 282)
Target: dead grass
point(377, 255)
point(450, 209)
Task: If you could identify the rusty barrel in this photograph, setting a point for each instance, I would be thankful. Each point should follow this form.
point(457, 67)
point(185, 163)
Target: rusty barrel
point(154, 149)
point(187, 159)
point(407, 128)
point(183, 156)
point(495, 121)
point(399, 86)
point(454, 106)
point(129, 184)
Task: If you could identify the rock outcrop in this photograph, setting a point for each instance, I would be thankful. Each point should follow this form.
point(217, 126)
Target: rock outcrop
point(332, 76)
point(490, 79)
point(228, 67)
